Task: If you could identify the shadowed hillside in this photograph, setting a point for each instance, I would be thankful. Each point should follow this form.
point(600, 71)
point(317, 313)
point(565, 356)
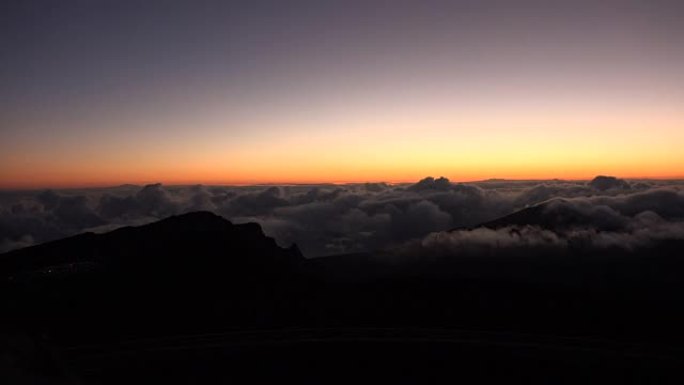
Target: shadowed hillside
point(189, 283)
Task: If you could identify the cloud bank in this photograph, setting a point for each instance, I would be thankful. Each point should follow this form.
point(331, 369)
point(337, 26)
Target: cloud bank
point(334, 219)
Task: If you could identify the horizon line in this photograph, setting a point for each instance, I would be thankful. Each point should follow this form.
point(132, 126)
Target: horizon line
point(311, 183)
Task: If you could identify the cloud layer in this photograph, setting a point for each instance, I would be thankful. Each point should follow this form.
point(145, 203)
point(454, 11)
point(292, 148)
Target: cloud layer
point(333, 219)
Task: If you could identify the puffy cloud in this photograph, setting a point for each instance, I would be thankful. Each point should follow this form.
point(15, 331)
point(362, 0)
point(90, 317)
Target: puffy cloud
point(667, 202)
point(484, 241)
point(563, 213)
point(155, 200)
point(546, 191)
point(642, 233)
point(44, 216)
point(7, 244)
point(626, 222)
point(75, 212)
point(331, 219)
point(257, 203)
point(49, 199)
point(152, 200)
point(418, 218)
point(376, 187)
point(119, 207)
point(430, 183)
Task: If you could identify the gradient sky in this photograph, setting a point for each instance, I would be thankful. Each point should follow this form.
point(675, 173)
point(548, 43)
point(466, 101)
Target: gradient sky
point(108, 92)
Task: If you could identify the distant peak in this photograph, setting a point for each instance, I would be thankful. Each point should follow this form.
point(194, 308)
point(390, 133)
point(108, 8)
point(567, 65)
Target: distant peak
point(603, 182)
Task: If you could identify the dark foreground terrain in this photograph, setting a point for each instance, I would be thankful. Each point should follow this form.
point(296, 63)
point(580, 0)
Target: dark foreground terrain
point(196, 299)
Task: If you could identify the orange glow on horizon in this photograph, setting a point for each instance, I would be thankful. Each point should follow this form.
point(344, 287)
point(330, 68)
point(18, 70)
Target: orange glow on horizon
point(77, 180)
point(476, 146)
point(375, 92)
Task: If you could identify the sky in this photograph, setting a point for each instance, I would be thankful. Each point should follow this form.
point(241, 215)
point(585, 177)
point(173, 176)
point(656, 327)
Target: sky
point(96, 93)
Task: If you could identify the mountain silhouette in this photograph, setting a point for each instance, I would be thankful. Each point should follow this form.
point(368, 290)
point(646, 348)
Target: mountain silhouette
point(194, 270)
point(193, 240)
point(197, 291)
point(556, 214)
point(532, 216)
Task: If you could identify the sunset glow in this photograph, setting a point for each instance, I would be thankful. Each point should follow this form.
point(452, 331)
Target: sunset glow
point(342, 94)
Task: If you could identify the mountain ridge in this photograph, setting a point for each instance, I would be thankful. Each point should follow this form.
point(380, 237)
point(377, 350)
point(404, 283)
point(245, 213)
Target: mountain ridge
point(190, 228)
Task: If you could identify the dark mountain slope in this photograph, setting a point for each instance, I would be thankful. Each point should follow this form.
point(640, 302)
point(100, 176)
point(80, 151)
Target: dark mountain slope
point(532, 215)
point(191, 271)
point(555, 214)
point(191, 240)
point(197, 293)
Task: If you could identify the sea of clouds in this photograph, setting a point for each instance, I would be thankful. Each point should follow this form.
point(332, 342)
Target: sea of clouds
point(432, 214)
